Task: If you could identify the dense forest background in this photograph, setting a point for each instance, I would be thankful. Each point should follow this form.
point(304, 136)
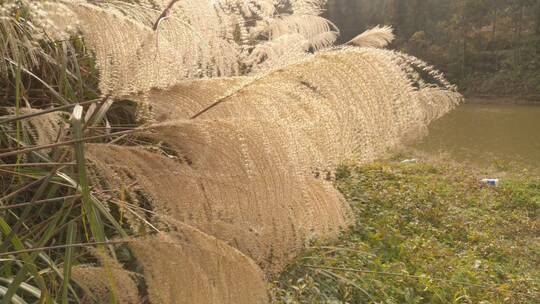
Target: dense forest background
point(487, 47)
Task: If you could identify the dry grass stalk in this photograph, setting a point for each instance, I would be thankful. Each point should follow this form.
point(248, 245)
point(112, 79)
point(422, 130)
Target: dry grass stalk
point(93, 279)
point(250, 171)
point(196, 39)
point(377, 37)
point(43, 129)
point(196, 268)
point(243, 184)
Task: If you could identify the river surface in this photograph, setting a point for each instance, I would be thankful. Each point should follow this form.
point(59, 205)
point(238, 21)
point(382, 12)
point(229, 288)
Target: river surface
point(487, 135)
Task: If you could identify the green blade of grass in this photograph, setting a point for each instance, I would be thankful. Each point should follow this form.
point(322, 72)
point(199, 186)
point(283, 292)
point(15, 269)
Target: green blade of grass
point(27, 210)
point(96, 225)
point(15, 299)
point(68, 260)
point(29, 259)
point(18, 106)
point(29, 267)
point(29, 289)
point(93, 217)
point(43, 82)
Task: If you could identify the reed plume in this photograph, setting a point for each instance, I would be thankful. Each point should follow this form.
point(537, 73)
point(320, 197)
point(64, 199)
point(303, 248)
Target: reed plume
point(248, 107)
point(252, 170)
point(377, 37)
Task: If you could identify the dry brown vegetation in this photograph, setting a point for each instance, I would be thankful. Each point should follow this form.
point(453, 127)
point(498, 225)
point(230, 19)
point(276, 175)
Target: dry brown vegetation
point(251, 171)
point(230, 177)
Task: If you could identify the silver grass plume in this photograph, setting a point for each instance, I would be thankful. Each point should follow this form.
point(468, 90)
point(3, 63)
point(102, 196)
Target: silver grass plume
point(252, 168)
point(156, 44)
point(377, 37)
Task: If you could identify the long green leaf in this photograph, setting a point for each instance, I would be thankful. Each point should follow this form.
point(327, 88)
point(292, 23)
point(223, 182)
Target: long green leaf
point(18, 86)
point(94, 219)
point(29, 289)
point(96, 225)
point(43, 82)
point(15, 299)
point(68, 260)
point(29, 267)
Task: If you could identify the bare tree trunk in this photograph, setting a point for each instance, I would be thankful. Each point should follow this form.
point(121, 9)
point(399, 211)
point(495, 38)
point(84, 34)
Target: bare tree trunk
point(537, 29)
point(399, 11)
point(418, 14)
point(538, 19)
point(493, 43)
point(495, 16)
point(519, 33)
point(464, 33)
point(464, 58)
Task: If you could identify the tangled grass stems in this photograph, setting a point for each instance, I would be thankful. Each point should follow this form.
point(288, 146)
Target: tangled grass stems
point(65, 246)
point(66, 143)
point(45, 201)
point(420, 277)
point(47, 111)
point(49, 77)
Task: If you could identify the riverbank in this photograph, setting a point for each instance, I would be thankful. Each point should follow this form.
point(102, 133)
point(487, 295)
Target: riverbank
point(425, 233)
point(505, 100)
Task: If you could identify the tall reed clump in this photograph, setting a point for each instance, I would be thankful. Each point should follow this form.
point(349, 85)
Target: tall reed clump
point(255, 110)
point(47, 209)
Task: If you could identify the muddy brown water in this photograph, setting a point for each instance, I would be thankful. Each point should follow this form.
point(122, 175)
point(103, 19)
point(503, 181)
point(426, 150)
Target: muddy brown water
point(487, 135)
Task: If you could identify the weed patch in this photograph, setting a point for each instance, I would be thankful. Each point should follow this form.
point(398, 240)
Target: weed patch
point(425, 234)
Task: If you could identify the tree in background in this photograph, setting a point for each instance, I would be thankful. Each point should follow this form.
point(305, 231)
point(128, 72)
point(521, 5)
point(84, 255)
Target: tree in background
point(488, 47)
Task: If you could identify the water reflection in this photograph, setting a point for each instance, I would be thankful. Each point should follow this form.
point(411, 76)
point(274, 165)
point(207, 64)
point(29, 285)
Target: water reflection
point(486, 133)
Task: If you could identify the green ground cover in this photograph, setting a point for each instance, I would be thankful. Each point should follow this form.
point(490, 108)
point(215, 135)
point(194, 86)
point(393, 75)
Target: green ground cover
point(425, 234)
